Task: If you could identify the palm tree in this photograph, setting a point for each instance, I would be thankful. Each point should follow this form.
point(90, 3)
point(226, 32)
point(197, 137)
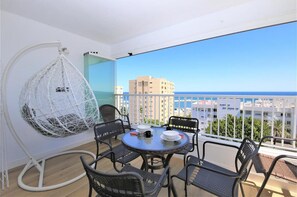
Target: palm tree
point(278, 129)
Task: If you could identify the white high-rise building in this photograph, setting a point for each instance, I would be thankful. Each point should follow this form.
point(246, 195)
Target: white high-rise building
point(146, 106)
point(207, 111)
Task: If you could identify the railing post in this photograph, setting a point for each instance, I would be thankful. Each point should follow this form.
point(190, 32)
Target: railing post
point(295, 123)
point(243, 116)
point(262, 117)
point(234, 118)
point(283, 120)
point(253, 113)
point(155, 117)
point(272, 120)
point(226, 118)
point(211, 115)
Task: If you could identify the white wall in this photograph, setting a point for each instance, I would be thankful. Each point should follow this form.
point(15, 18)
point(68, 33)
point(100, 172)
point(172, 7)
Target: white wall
point(260, 14)
point(19, 32)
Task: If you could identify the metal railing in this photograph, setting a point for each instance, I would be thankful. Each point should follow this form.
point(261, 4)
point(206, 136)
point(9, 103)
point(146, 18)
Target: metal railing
point(230, 117)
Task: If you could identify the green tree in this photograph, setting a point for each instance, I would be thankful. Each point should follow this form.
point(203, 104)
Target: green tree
point(278, 129)
point(237, 132)
point(153, 121)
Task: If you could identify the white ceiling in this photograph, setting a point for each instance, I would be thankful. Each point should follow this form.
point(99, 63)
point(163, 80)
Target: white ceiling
point(139, 26)
point(113, 21)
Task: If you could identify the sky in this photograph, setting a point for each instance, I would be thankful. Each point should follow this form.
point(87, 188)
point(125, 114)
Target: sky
point(252, 61)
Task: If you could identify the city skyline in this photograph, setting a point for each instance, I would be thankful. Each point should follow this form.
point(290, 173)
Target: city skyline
point(257, 60)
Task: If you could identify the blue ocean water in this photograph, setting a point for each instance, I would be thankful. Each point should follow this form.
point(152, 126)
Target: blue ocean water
point(188, 104)
point(243, 93)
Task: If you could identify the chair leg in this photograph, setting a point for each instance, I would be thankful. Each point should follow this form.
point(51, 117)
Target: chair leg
point(142, 165)
point(248, 172)
point(198, 154)
point(97, 154)
point(185, 160)
point(173, 188)
point(113, 160)
point(90, 190)
point(169, 183)
point(186, 191)
point(152, 164)
point(242, 191)
point(95, 167)
point(263, 185)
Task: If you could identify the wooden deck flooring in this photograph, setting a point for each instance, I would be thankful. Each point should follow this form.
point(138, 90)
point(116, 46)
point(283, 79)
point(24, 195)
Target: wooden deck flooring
point(65, 167)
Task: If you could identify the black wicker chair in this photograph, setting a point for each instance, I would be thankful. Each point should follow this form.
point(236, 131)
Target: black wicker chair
point(129, 182)
point(110, 112)
point(188, 125)
point(104, 132)
point(281, 166)
point(214, 178)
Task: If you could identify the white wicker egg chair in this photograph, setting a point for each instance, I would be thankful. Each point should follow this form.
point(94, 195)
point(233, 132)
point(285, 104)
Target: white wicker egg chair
point(57, 102)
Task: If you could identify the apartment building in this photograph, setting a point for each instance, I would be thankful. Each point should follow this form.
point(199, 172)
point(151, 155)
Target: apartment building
point(207, 111)
point(147, 104)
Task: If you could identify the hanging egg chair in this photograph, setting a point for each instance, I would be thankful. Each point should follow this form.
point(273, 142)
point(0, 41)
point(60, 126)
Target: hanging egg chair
point(57, 101)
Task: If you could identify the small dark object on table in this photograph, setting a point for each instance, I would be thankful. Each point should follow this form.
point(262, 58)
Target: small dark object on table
point(148, 134)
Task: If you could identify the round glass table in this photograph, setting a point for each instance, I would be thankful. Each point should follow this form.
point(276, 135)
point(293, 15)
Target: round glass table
point(155, 146)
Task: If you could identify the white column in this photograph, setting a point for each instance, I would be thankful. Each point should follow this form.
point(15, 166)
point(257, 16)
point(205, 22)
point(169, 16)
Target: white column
point(4, 179)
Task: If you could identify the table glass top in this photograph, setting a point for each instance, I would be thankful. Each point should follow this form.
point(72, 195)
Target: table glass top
point(154, 143)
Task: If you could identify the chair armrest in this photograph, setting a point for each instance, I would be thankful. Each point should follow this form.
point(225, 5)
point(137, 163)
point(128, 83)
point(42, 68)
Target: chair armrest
point(164, 125)
point(216, 143)
point(103, 142)
point(198, 130)
point(102, 156)
point(158, 184)
point(209, 169)
point(275, 160)
point(195, 136)
point(126, 116)
point(263, 139)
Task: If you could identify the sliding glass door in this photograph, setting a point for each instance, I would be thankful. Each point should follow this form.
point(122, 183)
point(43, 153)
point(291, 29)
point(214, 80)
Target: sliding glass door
point(100, 73)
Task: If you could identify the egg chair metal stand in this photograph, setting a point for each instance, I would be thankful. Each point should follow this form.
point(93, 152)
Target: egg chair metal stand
point(55, 124)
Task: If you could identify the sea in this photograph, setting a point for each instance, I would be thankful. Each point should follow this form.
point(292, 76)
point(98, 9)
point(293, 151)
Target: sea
point(181, 102)
point(243, 93)
point(240, 93)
